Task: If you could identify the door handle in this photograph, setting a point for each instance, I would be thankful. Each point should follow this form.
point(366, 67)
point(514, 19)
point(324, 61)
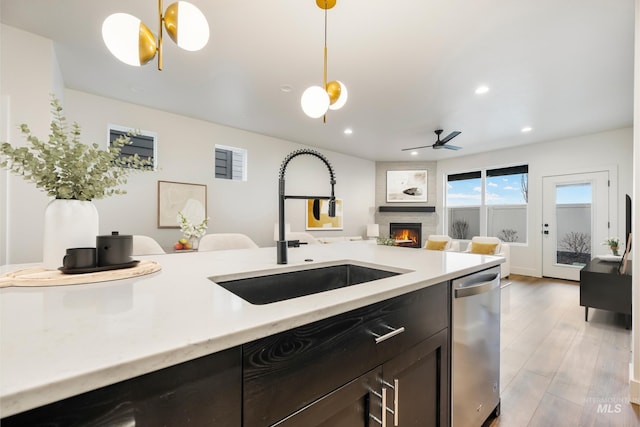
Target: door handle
point(476, 289)
point(396, 408)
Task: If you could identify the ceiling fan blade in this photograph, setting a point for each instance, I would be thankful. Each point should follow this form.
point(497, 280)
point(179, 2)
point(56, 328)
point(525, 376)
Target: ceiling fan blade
point(450, 136)
point(450, 147)
point(415, 148)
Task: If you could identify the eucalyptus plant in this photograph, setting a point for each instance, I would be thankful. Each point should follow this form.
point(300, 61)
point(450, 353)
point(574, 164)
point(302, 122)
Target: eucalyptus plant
point(66, 168)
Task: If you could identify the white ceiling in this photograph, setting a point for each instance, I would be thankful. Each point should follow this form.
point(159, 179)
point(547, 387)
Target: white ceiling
point(563, 67)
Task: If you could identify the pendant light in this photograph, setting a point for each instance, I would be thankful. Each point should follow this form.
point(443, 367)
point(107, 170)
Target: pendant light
point(316, 100)
point(133, 43)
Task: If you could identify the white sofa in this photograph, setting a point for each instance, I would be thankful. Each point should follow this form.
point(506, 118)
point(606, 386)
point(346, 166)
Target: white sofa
point(502, 249)
point(452, 245)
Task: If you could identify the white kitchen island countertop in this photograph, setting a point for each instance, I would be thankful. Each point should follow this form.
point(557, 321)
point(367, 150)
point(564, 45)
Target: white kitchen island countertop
point(56, 342)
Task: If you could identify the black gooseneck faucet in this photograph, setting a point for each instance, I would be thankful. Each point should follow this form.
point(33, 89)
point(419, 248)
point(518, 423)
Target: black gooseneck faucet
point(281, 245)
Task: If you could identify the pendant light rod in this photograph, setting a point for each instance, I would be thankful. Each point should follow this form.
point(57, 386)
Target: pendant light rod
point(324, 79)
point(160, 22)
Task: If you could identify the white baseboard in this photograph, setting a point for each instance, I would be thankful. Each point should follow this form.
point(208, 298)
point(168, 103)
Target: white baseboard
point(532, 272)
point(634, 387)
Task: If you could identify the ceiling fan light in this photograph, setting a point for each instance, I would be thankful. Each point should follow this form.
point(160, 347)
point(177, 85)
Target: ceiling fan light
point(186, 25)
point(128, 39)
point(337, 94)
point(315, 102)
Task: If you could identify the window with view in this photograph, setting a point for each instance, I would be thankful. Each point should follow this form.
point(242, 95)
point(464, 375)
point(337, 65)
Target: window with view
point(491, 202)
point(506, 196)
point(230, 163)
point(464, 198)
point(143, 143)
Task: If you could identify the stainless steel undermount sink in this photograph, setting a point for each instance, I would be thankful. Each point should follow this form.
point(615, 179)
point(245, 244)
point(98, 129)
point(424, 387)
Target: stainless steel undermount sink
point(271, 287)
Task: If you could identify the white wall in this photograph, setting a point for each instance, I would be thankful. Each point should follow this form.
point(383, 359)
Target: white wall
point(606, 150)
point(428, 220)
point(29, 73)
point(185, 154)
point(634, 372)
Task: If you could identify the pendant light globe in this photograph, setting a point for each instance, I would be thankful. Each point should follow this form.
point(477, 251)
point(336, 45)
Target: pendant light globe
point(186, 25)
point(128, 39)
point(337, 94)
point(315, 102)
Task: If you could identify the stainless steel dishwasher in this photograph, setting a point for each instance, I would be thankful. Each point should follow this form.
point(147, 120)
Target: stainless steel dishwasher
point(475, 347)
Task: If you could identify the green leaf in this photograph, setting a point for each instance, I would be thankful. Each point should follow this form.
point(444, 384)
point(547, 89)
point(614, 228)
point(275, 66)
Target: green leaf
point(64, 167)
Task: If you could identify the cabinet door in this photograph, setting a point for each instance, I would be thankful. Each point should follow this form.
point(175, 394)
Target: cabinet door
point(351, 405)
point(417, 384)
point(200, 392)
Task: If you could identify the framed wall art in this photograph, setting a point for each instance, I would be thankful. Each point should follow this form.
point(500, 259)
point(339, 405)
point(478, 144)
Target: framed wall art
point(317, 217)
point(174, 197)
point(407, 186)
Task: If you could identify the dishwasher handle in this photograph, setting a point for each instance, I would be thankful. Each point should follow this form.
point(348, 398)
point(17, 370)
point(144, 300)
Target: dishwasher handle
point(482, 283)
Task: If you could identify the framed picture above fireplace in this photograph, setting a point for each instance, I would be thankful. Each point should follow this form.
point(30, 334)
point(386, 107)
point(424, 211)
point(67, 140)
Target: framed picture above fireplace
point(407, 186)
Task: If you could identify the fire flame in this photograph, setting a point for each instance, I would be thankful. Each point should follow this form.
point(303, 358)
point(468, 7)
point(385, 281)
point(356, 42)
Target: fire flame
point(405, 234)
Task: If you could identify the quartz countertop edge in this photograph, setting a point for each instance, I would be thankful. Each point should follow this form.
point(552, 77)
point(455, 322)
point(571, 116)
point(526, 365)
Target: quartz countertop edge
point(57, 342)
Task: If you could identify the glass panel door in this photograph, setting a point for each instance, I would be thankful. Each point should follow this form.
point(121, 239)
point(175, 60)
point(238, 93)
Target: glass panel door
point(575, 220)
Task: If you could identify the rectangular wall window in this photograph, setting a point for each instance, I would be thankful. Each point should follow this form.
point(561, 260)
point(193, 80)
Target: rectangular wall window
point(491, 202)
point(464, 198)
point(143, 143)
point(506, 194)
point(230, 163)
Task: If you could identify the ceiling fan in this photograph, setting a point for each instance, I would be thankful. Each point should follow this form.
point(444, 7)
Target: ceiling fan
point(440, 143)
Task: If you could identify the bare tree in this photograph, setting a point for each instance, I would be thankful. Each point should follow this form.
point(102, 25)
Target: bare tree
point(524, 187)
point(576, 242)
point(508, 235)
point(459, 229)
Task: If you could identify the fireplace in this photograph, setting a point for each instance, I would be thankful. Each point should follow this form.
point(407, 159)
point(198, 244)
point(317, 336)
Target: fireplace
point(407, 234)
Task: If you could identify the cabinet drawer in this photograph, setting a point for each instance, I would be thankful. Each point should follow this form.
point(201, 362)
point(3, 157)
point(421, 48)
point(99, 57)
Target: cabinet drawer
point(284, 372)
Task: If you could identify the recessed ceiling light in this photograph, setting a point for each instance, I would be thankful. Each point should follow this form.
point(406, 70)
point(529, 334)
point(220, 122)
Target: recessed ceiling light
point(414, 153)
point(286, 88)
point(526, 129)
point(348, 131)
point(482, 90)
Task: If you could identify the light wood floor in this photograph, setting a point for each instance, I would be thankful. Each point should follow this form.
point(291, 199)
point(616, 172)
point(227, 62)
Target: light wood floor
point(557, 369)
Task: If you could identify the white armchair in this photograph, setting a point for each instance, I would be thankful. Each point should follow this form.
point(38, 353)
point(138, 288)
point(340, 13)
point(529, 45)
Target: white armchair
point(484, 245)
point(435, 242)
point(145, 245)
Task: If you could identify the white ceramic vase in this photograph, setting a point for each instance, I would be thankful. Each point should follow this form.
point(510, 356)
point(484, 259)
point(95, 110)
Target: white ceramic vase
point(68, 224)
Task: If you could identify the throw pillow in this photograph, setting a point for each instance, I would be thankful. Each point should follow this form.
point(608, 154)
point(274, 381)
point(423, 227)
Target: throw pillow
point(436, 245)
point(483, 248)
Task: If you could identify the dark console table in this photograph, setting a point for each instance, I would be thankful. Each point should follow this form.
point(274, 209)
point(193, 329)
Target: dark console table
point(603, 287)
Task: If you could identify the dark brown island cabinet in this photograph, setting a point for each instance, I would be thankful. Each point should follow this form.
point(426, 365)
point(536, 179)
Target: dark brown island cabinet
point(386, 364)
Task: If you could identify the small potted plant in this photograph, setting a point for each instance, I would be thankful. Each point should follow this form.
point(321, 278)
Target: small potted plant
point(192, 233)
point(613, 243)
point(74, 174)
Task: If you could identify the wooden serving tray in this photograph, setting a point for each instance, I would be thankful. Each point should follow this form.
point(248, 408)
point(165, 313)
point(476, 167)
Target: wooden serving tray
point(39, 276)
